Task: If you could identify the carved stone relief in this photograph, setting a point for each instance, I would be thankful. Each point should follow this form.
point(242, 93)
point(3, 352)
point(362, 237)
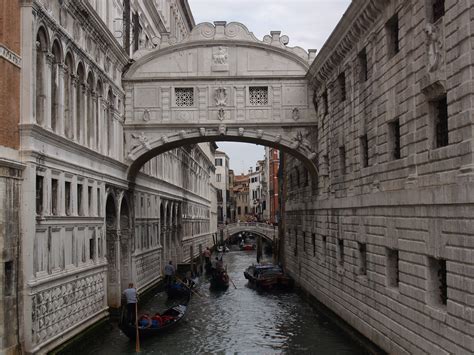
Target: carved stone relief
point(221, 114)
point(220, 96)
point(434, 47)
point(142, 141)
point(220, 59)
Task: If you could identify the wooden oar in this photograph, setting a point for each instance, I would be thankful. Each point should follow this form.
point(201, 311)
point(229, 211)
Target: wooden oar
point(232, 281)
point(137, 338)
point(189, 288)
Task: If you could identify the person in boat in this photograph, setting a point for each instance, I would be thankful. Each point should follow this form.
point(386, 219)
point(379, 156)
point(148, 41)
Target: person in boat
point(156, 321)
point(169, 272)
point(220, 265)
point(188, 280)
point(145, 321)
point(131, 297)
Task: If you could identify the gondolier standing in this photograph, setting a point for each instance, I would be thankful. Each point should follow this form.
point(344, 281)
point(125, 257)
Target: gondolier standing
point(131, 296)
point(169, 272)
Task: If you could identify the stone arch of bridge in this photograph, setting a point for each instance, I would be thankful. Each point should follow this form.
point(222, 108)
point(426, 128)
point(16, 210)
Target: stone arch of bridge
point(220, 83)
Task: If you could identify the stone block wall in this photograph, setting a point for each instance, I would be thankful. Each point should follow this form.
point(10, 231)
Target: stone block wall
point(384, 235)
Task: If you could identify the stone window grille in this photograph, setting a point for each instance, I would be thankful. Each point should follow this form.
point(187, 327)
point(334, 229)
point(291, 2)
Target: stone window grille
point(39, 194)
point(67, 197)
point(341, 79)
point(364, 150)
point(54, 196)
point(340, 252)
point(392, 272)
point(184, 97)
point(440, 113)
point(392, 31)
point(437, 282)
point(438, 9)
point(363, 67)
point(258, 95)
point(394, 139)
point(362, 258)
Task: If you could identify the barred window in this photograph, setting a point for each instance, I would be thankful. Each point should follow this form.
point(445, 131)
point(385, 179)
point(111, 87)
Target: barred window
point(184, 97)
point(258, 95)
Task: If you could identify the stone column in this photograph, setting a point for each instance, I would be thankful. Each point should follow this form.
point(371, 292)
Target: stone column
point(74, 84)
point(60, 109)
point(83, 111)
point(47, 82)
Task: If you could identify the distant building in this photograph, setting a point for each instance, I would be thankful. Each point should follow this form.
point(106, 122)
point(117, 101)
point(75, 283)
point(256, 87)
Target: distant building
point(241, 195)
point(222, 186)
point(272, 163)
point(231, 213)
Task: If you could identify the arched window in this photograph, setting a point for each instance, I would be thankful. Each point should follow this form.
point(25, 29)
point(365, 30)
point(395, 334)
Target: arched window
point(68, 96)
point(41, 52)
point(79, 102)
point(90, 110)
point(55, 86)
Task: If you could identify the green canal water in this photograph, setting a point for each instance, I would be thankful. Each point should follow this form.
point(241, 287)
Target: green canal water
point(236, 321)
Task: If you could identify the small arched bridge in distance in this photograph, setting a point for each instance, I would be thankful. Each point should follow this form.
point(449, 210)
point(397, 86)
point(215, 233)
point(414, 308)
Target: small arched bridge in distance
point(267, 231)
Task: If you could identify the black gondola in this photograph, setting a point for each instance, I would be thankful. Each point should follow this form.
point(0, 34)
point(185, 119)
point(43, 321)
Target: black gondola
point(178, 290)
point(178, 312)
point(220, 280)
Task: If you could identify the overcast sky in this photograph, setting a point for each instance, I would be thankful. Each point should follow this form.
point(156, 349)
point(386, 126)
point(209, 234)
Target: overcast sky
point(308, 23)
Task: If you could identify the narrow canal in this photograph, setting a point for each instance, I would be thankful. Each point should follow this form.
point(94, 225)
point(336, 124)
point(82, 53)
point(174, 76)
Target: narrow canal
point(238, 320)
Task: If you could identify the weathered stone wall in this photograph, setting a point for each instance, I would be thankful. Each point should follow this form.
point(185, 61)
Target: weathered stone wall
point(384, 237)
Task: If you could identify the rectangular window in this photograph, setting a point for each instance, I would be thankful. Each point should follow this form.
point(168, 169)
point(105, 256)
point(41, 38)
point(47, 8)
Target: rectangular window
point(91, 248)
point(342, 159)
point(362, 259)
point(392, 273)
point(296, 243)
point(341, 79)
point(218, 162)
point(239, 211)
point(394, 139)
point(39, 194)
point(392, 31)
point(67, 197)
point(258, 95)
point(246, 210)
point(340, 252)
point(438, 9)
point(313, 241)
point(80, 211)
point(437, 284)
point(364, 151)
point(325, 102)
point(363, 68)
point(304, 241)
point(184, 97)
point(98, 202)
point(439, 109)
point(89, 199)
point(218, 177)
point(324, 247)
point(54, 196)
point(8, 281)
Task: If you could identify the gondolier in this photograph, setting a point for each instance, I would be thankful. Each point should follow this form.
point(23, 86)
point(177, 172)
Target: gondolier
point(132, 298)
point(169, 272)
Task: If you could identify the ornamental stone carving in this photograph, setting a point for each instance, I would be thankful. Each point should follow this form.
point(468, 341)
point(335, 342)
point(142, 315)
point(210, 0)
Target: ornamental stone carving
point(434, 47)
point(202, 131)
point(146, 115)
point(221, 114)
point(222, 130)
point(220, 96)
point(241, 131)
point(220, 56)
point(295, 114)
point(142, 141)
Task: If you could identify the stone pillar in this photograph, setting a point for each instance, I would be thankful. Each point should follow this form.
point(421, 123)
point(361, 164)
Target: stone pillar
point(74, 84)
point(60, 109)
point(47, 82)
point(83, 103)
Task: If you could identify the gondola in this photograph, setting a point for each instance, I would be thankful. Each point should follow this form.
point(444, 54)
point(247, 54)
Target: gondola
point(219, 280)
point(268, 277)
point(178, 290)
point(178, 312)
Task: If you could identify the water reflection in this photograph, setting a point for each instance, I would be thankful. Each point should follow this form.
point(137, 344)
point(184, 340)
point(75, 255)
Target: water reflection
point(238, 320)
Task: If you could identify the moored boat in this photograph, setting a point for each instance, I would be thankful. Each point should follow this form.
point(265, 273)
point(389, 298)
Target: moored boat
point(168, 319)
point(177, 290)
point(268, 277)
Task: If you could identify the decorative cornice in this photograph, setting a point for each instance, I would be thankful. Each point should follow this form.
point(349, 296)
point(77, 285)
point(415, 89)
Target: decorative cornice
point(10, 56)
point(355, 23)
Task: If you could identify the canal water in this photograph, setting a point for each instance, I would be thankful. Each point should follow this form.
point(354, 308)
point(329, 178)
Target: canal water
point(236, 321)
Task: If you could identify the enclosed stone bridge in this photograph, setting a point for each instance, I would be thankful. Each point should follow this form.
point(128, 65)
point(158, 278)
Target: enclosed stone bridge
point(267, 231)
point(220, 84)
